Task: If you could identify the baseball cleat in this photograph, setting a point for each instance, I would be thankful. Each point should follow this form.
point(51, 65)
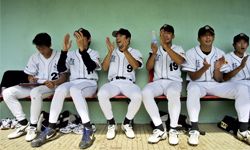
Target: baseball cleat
point(244, 136)
point(157, 136)
point(88, 138)
point(128, 130)
point(19, 131)
point(46, 135)
point(111, 131)
point(173, 137)
point(31, 133)
point(193, 137)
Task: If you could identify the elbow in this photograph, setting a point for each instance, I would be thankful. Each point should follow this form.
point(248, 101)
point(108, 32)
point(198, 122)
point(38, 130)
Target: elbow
point(180, 62)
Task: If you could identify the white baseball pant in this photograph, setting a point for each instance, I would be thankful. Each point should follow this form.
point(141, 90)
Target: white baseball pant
point(113, 88)
point(239, 92)
point(78, 90)
point(172, 90)
point(37, 94)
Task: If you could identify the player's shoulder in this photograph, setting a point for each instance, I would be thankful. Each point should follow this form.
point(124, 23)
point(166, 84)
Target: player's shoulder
point(35, 55)
point(134, 51)
point(218, 50)
point(192, 50)
point(177, 47)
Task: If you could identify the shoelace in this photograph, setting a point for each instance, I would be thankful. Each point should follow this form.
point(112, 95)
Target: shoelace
point(155, 133)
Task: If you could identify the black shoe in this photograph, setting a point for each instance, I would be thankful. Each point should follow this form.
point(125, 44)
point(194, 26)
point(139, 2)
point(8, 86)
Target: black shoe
point(43, 137)
point(88, 138)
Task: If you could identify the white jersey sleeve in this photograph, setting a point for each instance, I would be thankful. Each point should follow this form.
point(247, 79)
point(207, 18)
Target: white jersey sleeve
point(32, 66)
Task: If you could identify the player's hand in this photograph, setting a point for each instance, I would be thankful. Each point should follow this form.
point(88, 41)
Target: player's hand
point(154, 48)
point(81, 43)
point(110, 46)
point(125, 46)
point(50, 84)
point(32, 79)
point(243, 62)
point(66, 42)
point(220, 62)
point(206, 64)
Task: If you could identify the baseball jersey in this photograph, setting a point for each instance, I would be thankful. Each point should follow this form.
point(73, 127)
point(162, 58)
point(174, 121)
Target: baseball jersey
point(119, 65)
point(233, 62)
point(194, 62)
point(165, 67)
point(77, 68)
point(43, 68)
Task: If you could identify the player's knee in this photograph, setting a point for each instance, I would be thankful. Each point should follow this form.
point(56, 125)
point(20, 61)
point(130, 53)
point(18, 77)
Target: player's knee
point(137, 96)
point(103, 94)
point(35, 93)
point(74, 91)
point(193, 89)
point(146, 94)
point(7, 93)
point(241, 90)
point(61, 89)
point(173, 94)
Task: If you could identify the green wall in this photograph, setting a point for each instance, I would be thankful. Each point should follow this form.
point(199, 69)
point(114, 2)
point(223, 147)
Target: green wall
point(21, 20)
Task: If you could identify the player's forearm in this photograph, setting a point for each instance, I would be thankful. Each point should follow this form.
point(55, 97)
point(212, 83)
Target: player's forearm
point(218, 76)
point(151, 62)
point(131, 60)
point(229, 75)
point(178, 59)
point(196, 75)
point(106, 62)
point(89, 63)
point(62, 78)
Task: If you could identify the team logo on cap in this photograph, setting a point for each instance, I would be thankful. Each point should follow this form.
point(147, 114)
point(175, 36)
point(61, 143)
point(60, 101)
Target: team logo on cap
point(207, 27)
point(242, 34)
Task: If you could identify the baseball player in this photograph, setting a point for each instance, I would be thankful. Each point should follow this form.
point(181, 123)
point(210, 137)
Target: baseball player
point(42, 73)
point(204, 64)
point(165, 61)
point(121, 63)
point(239, 72)
point(82, 65)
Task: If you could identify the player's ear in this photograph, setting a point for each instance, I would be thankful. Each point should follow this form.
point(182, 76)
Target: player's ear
point(173, 36)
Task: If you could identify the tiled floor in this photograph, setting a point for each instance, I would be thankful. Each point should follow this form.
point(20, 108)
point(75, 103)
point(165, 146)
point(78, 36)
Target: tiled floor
point(215, 139)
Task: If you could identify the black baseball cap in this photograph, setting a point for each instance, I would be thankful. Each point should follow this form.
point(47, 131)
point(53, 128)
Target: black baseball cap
point(121, 31)
point(241, 36)
point(84, 32)
point(168, 28)
point(205, 29)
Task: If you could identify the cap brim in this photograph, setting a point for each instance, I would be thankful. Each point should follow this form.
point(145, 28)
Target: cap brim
point(114, 33)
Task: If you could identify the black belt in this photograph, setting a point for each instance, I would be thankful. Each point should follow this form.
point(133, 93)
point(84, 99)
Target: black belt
point(87, 78)
point(120, 78)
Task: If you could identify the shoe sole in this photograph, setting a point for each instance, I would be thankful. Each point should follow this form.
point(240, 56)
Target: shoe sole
point(192, 144)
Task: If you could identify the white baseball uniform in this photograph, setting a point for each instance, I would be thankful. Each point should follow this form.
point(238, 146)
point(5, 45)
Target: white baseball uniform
point(42, 68)
point(81, 85)
point(206, 85)
point(167, 81)
point(243, 76)
point(122, 77)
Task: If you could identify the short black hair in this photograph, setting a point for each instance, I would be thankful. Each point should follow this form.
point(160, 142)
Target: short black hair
point(241, 36)
point(42, 39)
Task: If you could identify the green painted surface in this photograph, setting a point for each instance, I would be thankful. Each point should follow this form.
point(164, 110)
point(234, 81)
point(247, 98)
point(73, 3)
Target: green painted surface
point(21, 20)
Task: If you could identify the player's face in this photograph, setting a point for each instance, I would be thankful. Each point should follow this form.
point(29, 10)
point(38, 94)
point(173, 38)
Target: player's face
point(44, 50)
point(207, 39)
point(167, 37)
point(120, 40)
point(241, 46)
